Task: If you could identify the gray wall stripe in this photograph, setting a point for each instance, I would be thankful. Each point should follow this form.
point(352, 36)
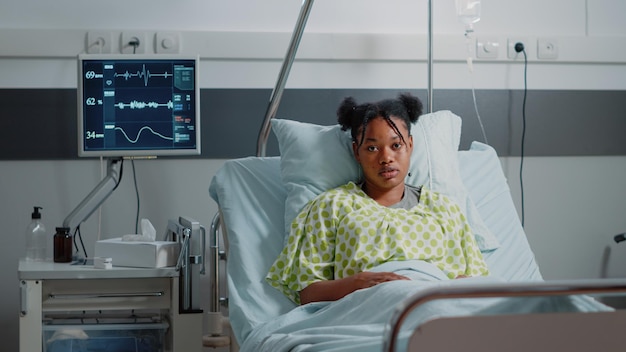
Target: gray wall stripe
point(39, 124)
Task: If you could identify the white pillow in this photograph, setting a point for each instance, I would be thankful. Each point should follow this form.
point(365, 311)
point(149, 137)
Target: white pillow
point(317, 158)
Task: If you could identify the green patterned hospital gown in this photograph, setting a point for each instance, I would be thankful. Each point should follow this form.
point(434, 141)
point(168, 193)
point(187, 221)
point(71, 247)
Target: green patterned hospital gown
point(344, 231)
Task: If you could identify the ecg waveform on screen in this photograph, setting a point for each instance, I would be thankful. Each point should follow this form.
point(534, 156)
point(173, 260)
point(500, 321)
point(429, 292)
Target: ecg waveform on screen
point(144, 105)
point(145, 74)
point(141, 130)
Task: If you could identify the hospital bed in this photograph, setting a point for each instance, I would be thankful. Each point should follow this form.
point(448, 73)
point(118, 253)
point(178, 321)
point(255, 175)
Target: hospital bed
point(514, 306)
point(513, 309)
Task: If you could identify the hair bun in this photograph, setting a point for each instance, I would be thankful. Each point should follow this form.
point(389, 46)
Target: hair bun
point(346, 113)
point(413, 106)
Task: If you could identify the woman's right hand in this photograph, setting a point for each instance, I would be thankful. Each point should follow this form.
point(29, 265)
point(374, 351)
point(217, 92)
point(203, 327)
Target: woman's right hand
point(332, 290)
point(367, 279)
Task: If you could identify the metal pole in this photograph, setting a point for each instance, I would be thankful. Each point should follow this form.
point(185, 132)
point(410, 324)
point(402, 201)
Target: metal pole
point(430, 56)
point(282, 78)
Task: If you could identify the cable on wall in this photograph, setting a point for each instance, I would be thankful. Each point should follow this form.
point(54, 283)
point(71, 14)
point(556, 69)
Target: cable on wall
point(135, 43)
point(519, 47)
point(132, 162)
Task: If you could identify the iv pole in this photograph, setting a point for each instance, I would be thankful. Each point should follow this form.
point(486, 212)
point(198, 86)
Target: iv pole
point(277, 93)
point(430, 56)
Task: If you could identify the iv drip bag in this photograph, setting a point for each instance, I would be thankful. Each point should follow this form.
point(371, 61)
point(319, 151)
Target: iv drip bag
point(468, 12)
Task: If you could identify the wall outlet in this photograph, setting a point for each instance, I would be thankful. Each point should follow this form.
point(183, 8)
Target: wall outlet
point(128, 38)
point(547, 48)
point(511, 53)
point(167, 42)
point(98, 42)
point(487, 48)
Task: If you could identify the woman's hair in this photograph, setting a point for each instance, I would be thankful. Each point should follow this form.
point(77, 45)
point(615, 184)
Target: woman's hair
point(355, 117)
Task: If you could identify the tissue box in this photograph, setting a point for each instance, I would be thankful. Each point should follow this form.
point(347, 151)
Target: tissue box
point(157, 254)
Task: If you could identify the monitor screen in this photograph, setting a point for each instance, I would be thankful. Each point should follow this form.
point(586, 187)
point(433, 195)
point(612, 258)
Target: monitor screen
point(138, 105)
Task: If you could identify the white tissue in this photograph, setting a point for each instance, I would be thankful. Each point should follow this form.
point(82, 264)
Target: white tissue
point(148, 233)
point(67, 334)
point(102, 263)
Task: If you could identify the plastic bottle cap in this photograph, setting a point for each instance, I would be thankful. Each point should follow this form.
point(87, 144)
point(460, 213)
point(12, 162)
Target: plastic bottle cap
point(36, 214)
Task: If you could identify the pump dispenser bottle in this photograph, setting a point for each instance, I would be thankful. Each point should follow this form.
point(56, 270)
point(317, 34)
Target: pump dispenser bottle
point(36, 238)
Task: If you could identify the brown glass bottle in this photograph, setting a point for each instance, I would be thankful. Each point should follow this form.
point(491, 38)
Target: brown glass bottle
point(62, 245)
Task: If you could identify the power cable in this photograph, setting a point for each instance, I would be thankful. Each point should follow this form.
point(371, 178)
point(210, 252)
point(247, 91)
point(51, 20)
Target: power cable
point(137, 195)
point(519, 47)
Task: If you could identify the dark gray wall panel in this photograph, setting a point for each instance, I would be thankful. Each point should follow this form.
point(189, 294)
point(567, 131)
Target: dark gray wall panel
point(558, 123)
point(37, 124)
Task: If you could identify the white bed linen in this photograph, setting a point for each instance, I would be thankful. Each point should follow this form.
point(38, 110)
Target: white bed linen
point(357, 322)
point(251, 197)
point(484, 179)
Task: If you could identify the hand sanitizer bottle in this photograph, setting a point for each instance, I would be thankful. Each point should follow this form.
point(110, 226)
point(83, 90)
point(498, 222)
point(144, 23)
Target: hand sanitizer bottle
point(36, 238)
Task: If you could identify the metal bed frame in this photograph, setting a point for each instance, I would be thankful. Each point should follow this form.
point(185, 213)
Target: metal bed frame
point(431, 336)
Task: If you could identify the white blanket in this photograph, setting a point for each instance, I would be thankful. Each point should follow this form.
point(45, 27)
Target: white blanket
point(357, 322)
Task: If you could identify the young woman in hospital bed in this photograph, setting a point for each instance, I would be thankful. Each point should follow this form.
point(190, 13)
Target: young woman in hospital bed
point(341, 241)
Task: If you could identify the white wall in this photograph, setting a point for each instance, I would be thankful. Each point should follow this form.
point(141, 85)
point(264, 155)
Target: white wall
point(574, 205)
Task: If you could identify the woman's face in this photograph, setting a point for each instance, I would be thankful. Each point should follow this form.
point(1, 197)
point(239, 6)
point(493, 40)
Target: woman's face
point(383, 155)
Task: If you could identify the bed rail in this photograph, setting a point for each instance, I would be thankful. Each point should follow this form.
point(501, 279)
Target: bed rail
point(216, 256)
point(218, 326)
point(549, 288)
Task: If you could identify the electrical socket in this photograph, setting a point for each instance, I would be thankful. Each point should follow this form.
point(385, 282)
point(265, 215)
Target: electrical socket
point(132, 36)
point(167, 42)
point(547, 48)
point(98, 42)
point(511, 53)
point(487, 48)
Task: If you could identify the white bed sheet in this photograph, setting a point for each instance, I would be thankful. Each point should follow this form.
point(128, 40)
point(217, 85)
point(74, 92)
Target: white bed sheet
point(251, 197)
point(484, 179)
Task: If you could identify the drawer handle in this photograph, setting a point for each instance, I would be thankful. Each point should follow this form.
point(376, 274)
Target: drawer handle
point(104, 295)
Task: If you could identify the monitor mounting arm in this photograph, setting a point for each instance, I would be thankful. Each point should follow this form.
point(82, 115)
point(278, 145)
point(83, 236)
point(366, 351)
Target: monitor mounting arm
point(99, 194)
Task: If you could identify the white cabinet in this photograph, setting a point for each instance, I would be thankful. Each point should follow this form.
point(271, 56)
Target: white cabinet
point(54, 291)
